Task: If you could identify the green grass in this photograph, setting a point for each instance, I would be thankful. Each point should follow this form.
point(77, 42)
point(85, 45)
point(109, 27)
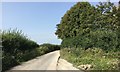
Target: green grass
point(98, 58)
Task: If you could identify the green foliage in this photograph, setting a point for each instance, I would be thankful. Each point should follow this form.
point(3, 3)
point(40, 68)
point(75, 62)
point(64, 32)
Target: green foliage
point(18, 48)
point(49, 47)
point(118, 23)
point(8, 61)
point(15, 40)
point(100, 39)
point(91, 38)
point(15, 46)
point(88, 26)
point(98, 58)
point(76, 20)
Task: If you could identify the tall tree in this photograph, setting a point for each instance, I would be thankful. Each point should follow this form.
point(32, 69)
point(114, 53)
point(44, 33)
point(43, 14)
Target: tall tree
point(106, 19)
point(76, 21)
point(89, 26)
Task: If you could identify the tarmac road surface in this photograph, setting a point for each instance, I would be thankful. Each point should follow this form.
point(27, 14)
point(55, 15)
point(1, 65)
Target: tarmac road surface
point(49, 61)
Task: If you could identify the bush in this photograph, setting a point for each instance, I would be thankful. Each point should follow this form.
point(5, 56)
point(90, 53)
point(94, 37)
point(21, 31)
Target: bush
point(98, 58)
point(15, 40)
point(106, 40)
point(100, 39)
point(8, 61)
point(16, 48)
point(49, 47)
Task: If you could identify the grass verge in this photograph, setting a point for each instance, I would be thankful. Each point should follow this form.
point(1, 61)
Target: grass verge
point(96, 57)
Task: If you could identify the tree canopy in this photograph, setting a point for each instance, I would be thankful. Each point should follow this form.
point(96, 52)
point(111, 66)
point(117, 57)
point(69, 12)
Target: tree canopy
point(90, 24)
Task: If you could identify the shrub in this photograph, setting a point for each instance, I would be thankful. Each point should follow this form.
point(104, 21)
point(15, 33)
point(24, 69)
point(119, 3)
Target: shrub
point(100, 39)
point(15, 40)
point(98, 58)
point(49, 47)
point(16, 48)
point(8, 61)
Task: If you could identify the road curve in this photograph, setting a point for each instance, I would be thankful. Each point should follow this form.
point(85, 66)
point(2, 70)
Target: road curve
point(45, 62)
point(49, 61)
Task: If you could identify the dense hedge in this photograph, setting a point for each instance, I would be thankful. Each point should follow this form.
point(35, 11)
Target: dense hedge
point(100, 39)
point(15, 46)
point(49, 47)
point(18, 48)
point(15, 40)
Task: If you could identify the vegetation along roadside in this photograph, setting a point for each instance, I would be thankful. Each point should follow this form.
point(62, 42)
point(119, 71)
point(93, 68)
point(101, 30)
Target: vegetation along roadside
point(91, 36)
point(18, 48)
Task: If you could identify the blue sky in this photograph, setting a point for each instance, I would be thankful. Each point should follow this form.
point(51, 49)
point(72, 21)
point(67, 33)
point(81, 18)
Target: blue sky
point(36, 19)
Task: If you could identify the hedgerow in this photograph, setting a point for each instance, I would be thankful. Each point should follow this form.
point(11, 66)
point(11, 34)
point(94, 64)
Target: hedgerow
point(17, 48)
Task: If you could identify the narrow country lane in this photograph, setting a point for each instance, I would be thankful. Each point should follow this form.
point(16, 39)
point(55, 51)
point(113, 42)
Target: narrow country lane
point(45, 62)
point(49, 61)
